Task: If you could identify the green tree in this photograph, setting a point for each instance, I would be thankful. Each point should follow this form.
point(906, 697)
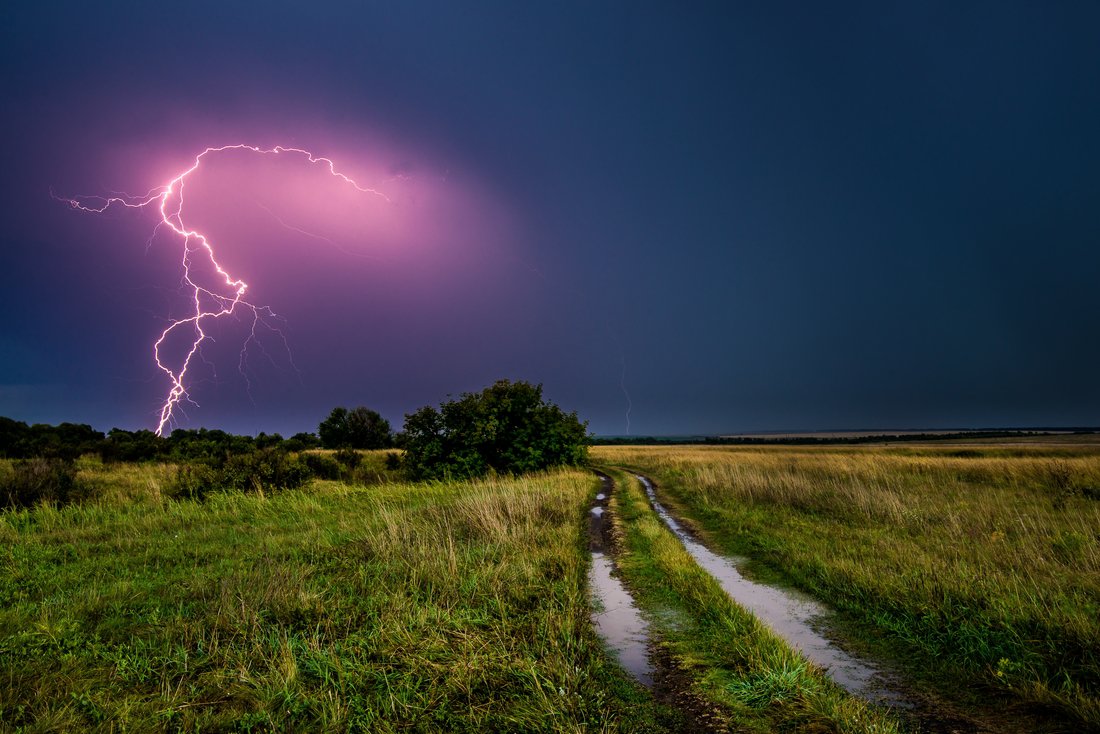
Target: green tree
point(359, 428)
point(302, 441)
point(507, 428)
point(123, 445)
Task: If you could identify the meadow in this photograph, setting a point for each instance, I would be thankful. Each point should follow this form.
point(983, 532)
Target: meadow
point(976, 566)
point(370, 603)
point(378, 607)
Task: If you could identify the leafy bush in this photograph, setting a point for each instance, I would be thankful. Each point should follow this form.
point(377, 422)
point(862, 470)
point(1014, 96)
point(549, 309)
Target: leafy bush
point(134, 446)
point(42, 480)
point(195, 481)
point(507, 428)
point(322, 466)
point(268, 440)
point(203, 444)
point(264, 470)
point(302, 442)
point(359, 428)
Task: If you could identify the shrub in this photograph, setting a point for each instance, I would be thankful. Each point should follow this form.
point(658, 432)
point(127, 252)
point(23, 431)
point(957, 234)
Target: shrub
point(268, 440)
point(195, 481)
point(121, 445)
point(507, 428)
point(359, 428)
point(302, 442)
point(42, 480)
point(258, 471)
point(202, 444)
point(269, 469)
point(322, 466)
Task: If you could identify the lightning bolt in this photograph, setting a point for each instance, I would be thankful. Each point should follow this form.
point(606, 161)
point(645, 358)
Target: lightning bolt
point(206, 304)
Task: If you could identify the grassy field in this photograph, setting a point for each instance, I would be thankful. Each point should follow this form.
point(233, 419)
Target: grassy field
point(392, 607)
point(384, 606)
point(980, 563)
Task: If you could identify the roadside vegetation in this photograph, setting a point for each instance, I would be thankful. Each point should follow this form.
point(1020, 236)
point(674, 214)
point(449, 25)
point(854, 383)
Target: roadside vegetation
point(731, 658)
point(979, 564)
point(394, 607)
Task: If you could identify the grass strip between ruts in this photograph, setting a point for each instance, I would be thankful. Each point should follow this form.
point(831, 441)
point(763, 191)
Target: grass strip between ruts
point(733, 659)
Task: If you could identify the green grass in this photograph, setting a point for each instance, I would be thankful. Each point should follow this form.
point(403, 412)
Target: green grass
point(733, 659)
point(393, 607)
point(981, 561)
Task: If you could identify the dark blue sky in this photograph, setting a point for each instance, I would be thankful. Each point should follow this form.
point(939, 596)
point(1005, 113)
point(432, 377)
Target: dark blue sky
point(753, 215)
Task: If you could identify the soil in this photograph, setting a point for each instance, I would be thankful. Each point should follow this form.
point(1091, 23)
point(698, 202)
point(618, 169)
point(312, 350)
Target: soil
point(672, 684)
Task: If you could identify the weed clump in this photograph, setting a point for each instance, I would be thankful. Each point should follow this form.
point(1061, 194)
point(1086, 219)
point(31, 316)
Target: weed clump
point(195, 482)
point(41, 480)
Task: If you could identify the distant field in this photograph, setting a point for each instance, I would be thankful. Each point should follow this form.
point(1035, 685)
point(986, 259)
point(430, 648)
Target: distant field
point(393, 607)
point(1023, 435)
point(978, 562)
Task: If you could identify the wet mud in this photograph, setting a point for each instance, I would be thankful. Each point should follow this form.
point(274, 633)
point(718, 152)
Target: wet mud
point(795, 617)
point(614, 615)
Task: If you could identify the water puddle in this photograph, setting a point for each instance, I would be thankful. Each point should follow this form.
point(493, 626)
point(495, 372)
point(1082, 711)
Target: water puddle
point(614, 615)
point(791, 615)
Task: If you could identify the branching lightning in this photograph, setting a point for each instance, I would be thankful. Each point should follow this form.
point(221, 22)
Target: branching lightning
point(206, 304)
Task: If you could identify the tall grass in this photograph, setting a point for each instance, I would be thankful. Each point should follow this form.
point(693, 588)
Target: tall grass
point(458, 607)
point(984, 558)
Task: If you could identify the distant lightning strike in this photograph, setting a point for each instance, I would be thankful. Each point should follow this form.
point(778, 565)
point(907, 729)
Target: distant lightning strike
point(217, 305)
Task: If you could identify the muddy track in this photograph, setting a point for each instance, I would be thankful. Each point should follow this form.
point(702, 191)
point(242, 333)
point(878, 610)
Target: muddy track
point(795, 617)
point(615, 615)
point(878, 681)
point(599, 525)
point(659, 671)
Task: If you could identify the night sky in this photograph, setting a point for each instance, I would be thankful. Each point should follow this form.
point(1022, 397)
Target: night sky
point(729, 217)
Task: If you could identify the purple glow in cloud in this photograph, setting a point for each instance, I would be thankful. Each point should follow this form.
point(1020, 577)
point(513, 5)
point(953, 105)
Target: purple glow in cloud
point(210, 210)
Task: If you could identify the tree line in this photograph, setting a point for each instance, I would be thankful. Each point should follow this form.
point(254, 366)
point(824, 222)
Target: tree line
point(507, 428)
